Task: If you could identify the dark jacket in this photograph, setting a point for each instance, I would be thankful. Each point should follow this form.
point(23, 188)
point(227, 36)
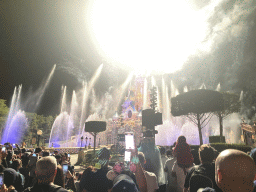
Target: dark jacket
point(45, 188)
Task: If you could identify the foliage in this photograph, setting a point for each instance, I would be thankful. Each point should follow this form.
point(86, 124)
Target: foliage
point(223, 146)
point(231, 105)
point(198, 106)
point(197, 102)
point(37, 122)
point(3, 114)
point(3, 108)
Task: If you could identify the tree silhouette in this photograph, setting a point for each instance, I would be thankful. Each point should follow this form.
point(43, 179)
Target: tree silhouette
point(198, 106)
point(231, 105)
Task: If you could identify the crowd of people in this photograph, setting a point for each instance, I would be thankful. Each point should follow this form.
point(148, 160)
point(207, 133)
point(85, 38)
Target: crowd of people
point(185, 170)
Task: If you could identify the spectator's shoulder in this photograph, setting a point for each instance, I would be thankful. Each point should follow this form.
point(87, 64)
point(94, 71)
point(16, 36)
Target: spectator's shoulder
point(62, 190)
point(207, 189)
point(150, 174)
point(172, 159)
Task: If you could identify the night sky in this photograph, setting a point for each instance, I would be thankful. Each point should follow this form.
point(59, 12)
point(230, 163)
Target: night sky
point(35, 35)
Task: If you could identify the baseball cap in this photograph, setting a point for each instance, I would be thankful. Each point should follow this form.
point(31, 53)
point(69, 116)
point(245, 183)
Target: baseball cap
point(124, 183)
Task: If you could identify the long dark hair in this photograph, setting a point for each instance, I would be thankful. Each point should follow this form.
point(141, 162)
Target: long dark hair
point(181, 142)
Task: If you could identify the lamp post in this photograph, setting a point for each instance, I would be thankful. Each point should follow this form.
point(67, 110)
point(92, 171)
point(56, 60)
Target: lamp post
point(86, 138)
point(39, 133)
point(81, 142)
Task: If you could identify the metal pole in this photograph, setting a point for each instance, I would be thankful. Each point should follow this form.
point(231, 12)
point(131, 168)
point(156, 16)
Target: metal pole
point(38, 140)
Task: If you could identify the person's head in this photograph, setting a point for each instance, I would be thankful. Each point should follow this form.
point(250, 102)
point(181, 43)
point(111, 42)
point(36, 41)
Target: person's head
point(216, 154)
point(253, 155)
point(104, 153)
point(168, 153)
point(46, 153)
point(206, 154)
point(46, 169)
point(25, 159)
point(1, 168)
point(195, 154)
point(10, 177)
point(56, 152)
point(162, 150)
point(16, 164)
point(58, 158)
point(142, 158)
point(124, 183)
point(103, 156)
point(181, 139)
point(63, 158)
point(234, 171)
point(38, 150)
point(59, 178)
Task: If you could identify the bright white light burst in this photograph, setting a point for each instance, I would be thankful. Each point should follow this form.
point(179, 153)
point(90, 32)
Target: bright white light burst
point(145, 35)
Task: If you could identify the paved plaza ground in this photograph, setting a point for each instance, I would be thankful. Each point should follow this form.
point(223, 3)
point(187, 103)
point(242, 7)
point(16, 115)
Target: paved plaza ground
point(73, 159)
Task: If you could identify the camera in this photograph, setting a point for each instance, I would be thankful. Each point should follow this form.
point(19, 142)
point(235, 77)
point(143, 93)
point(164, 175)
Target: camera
point(150, 119)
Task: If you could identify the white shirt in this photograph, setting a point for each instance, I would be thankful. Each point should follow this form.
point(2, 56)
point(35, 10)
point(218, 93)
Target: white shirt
point(164, 159)
point(168, 166)
point(151, 179)
point(180, 176)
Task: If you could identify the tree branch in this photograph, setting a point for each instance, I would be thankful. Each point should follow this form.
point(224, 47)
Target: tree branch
point(191, 118)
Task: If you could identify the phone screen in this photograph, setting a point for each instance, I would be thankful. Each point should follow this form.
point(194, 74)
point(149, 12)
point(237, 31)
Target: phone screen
point(127, 156)
point(68, 155)
point(13, 145)
point(65, 168)
point(129, 141)
point(34, 155)
point(3, 149)
point(1, 180)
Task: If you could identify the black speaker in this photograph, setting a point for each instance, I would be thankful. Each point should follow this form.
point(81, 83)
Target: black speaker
point(151, 119)
point(158, 119)
point(148, 118)
point(95, 126)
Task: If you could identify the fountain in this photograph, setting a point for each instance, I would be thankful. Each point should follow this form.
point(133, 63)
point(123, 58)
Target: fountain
point(34, 99)
point(85, 106)
point(17, 122)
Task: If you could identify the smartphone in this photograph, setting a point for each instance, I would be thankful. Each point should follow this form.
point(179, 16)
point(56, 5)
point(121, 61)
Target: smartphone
point(3, 149)
point(68, 155)
point(1, 180)
point(34, 155)
point(127, 156)
point(129, 141)
point(65, 168)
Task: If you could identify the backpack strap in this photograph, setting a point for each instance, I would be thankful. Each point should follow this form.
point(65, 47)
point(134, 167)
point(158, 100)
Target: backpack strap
point(198, 177)
point(54, 188)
